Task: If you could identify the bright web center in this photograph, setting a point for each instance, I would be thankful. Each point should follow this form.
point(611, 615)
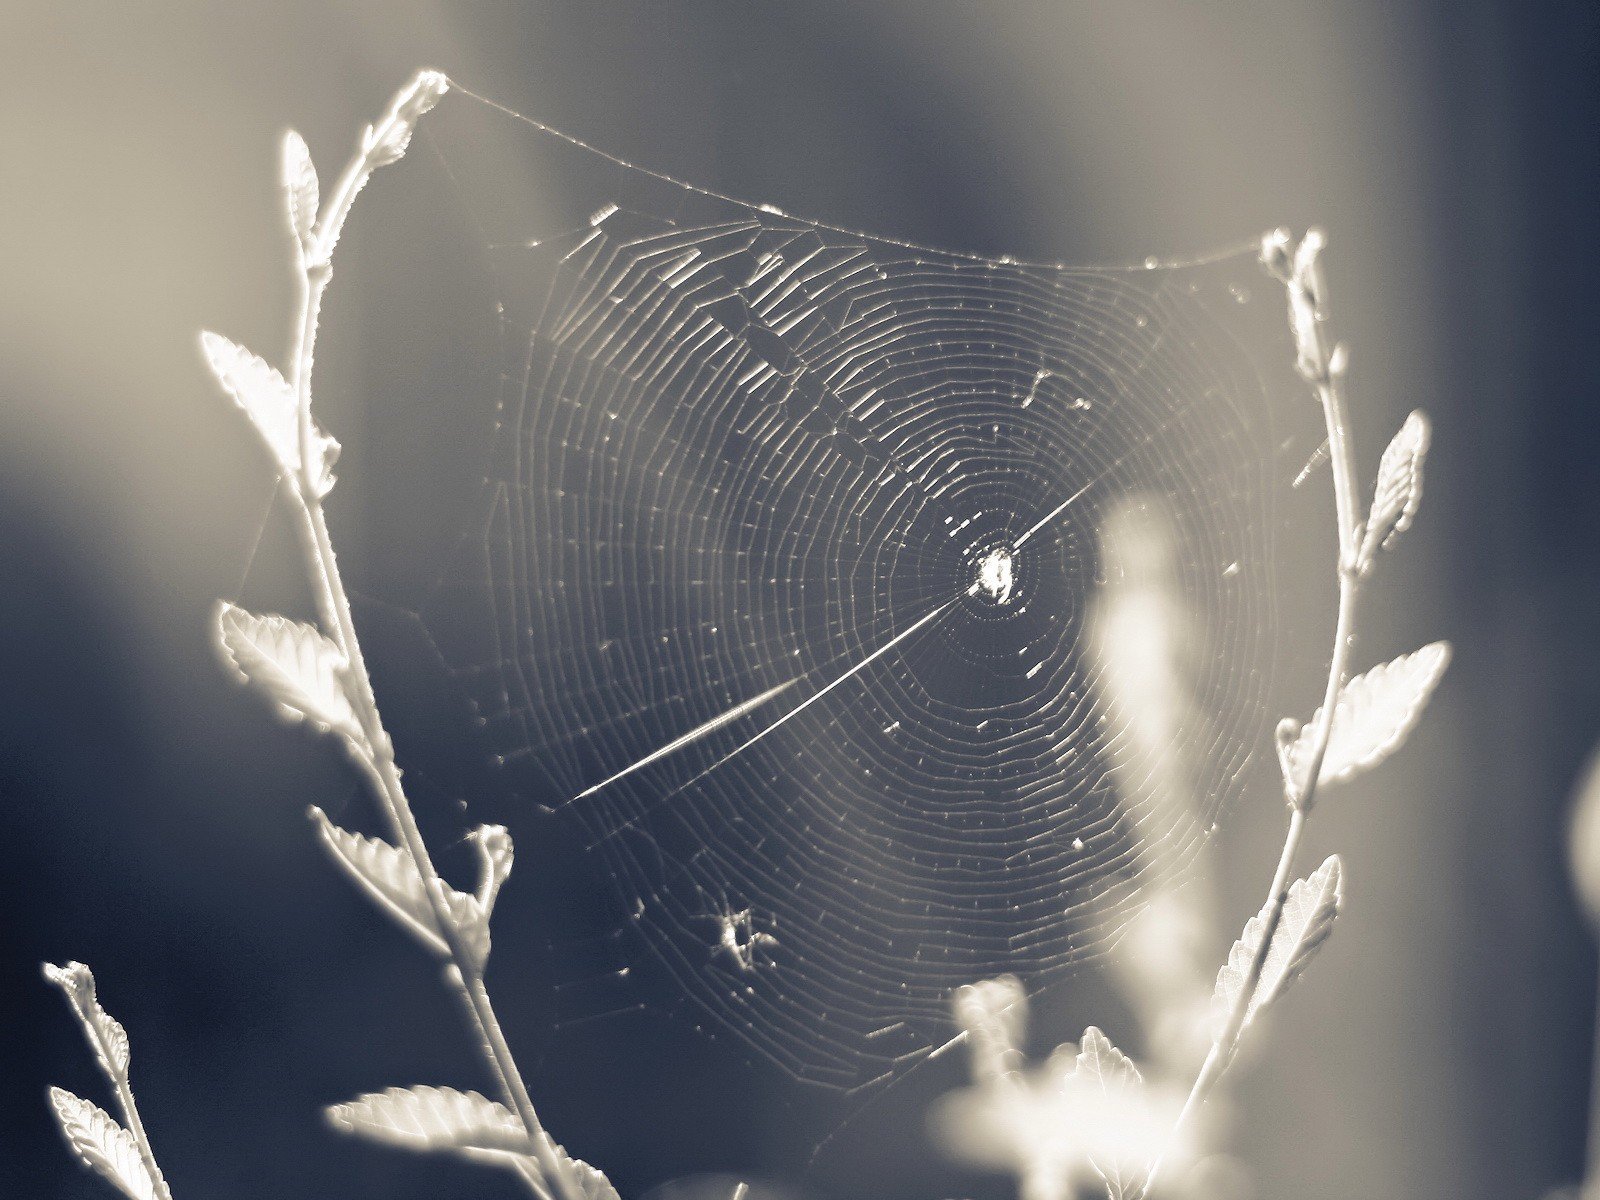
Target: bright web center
point(995, 579)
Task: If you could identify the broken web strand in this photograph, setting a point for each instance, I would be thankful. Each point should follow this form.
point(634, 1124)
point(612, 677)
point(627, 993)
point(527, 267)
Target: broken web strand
point(676, 552)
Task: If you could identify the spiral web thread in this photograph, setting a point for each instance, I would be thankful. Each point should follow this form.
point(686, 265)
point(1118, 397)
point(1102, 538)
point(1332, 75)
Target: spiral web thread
point(780, 571)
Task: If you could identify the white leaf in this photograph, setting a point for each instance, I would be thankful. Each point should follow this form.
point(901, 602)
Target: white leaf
point(325, 452)
point(299, 187)
point(389, 876)
point(102, 1145)
point(1103, 1065)
point(105, 1032)
point(294, 664)
point(495, 852)
point(1102, 1062)
point(1374, 714)
point(263, 394)
point(1308, 915)
point(1399, 487)
point(116, 1041)
point(420, 95)
point(592, 1183)
point(432, 1118)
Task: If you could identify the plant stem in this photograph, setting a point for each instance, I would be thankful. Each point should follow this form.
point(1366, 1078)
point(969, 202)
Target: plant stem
point(1328, 382)
point(130, 1117)
point(376, 757)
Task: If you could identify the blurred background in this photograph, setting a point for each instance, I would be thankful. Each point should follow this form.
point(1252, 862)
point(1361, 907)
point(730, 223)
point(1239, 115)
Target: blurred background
point(152, 818)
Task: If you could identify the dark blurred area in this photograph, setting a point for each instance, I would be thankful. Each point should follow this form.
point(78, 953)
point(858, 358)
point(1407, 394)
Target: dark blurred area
point(154, 813)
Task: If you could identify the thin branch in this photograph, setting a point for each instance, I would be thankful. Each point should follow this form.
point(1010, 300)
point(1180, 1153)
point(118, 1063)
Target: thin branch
point(1323, 366)
point(110, 1045)
point(376, 756)
point(130, 1117)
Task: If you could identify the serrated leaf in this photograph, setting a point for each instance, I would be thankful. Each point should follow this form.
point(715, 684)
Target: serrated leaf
point(1102, 1062)
point(432, 1119)
point(104, 1032)
point(591, 1181)
point(1374, 714)
point(263, 394)
point(1399, 487)
point(102, 1145)
point(267, 399)
point(389, 876)
point(294, 664)
point(116, 1040)
point(299, 187)
point(393, 134)
point(1309, 911)
point(1108, 1068)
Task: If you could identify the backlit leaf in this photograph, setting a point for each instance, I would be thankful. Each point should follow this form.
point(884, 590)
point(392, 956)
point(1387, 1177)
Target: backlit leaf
point(1309, 911)
point(1374, 714)
point(1399, 487)
point(263, 394)
point(495, 852)
point(389, 876)
point(432, 1118)
point(293, 663)
point(1102, 1064)
point(102, 1145)
point(299, 186)
point(105, 1032)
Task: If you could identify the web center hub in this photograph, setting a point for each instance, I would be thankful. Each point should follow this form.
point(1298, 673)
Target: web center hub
point(995, 575)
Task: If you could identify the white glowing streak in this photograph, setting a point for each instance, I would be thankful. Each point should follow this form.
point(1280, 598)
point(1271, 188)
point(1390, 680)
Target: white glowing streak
point(717, 722)
point(694, 735)
point(1081, 492)
point(1062, 507)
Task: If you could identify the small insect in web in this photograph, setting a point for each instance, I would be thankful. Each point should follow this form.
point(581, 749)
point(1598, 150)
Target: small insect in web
point(738, 941)
point(995, 575)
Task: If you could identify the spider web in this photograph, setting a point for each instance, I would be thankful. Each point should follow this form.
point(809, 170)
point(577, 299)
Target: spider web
point(778, 574)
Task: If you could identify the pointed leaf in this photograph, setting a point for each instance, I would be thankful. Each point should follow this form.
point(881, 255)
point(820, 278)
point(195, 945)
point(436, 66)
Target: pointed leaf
point(591, 1181)
point(495, 853)
point(1399, 487)
point(294, 664)
point(382, 144)
point(1374, 714)
point(105, 1033)
point(263, 394)
point(1102, 1062)
point(393, 134)
point(1309, 911)
point(102, 1145)
point(1308, 915)
point(389, 876)
point(1103, 1065)
point(325, 453)
point(299, 187)
point(432, 1118)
